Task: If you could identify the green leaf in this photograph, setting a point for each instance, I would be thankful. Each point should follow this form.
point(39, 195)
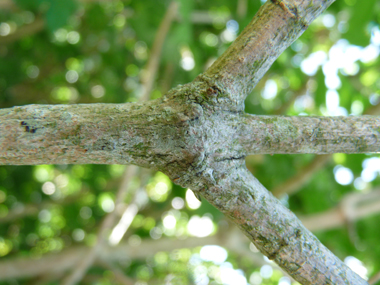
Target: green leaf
point(28, 4)
point(362, 14)
point(96, 18)
point(58, 13)
point(320, 93)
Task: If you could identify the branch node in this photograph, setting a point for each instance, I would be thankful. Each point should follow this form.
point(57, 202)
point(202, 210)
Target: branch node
point(289, 8)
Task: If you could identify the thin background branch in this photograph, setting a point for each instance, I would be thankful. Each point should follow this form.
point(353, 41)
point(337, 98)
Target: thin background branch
point(294, 183)
point(109, 221)
point(149, 74)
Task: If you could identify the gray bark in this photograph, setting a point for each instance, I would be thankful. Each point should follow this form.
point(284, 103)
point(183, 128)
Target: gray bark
point(59, 263)
point(199, 136)
point(319, 135)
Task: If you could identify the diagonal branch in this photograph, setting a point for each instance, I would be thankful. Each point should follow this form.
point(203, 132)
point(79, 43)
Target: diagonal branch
point(276, 25)
point(27, 30)
point(374, 279)
point(88, 259)
point(353, 206)
point(291, 185)
point(320, 135)
point(274, 230)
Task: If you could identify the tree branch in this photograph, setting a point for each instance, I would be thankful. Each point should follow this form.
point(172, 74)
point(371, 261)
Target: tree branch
point(374, 279)
point(108, 222)
point(291, 185)
point(97, 133)
point(294, 183)
point(24, 31)
point(320, 135)
point(150, 72)
point(191, 135)
point(352, 207)
point(276, 25)
point(33, 209)
point(274, 230)
point(23, 267)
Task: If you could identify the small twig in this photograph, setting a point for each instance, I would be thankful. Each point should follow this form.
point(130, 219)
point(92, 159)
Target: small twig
point(374, 279)
point(24, 31)
point(80, 270)
point(118, 274)
point(34, 209)
point(109, 220)
point(294, 183)
point(353, 206)
point(241, 9)
point(150, 72)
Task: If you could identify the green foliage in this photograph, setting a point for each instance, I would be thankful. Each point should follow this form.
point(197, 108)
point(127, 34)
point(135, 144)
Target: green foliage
point(362, 14)
point(96, 52)
point(56, 12)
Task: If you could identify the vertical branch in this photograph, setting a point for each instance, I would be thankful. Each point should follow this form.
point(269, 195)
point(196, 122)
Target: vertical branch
point(128, 215)
point(80, 270)
point(242, 8)
point(109, 221)
point(154, 58)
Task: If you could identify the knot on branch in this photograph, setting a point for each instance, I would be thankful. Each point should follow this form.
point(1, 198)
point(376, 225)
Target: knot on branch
point(288, 6)
point(209, 134)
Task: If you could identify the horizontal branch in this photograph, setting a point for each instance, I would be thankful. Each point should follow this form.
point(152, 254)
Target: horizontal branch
point(276, 25)
point(294, 183)
point(21, 267)
point(353, 207)
point(26, 267)
point(319, 135)
point(148, 135)
point(31, 209)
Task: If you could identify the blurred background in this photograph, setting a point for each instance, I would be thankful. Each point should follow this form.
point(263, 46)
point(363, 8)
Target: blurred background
point(113, 224)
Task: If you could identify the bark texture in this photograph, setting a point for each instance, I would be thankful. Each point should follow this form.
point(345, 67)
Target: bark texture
point(274, 230)
point(319, 135)
point(276, 25)
point(199, 136)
